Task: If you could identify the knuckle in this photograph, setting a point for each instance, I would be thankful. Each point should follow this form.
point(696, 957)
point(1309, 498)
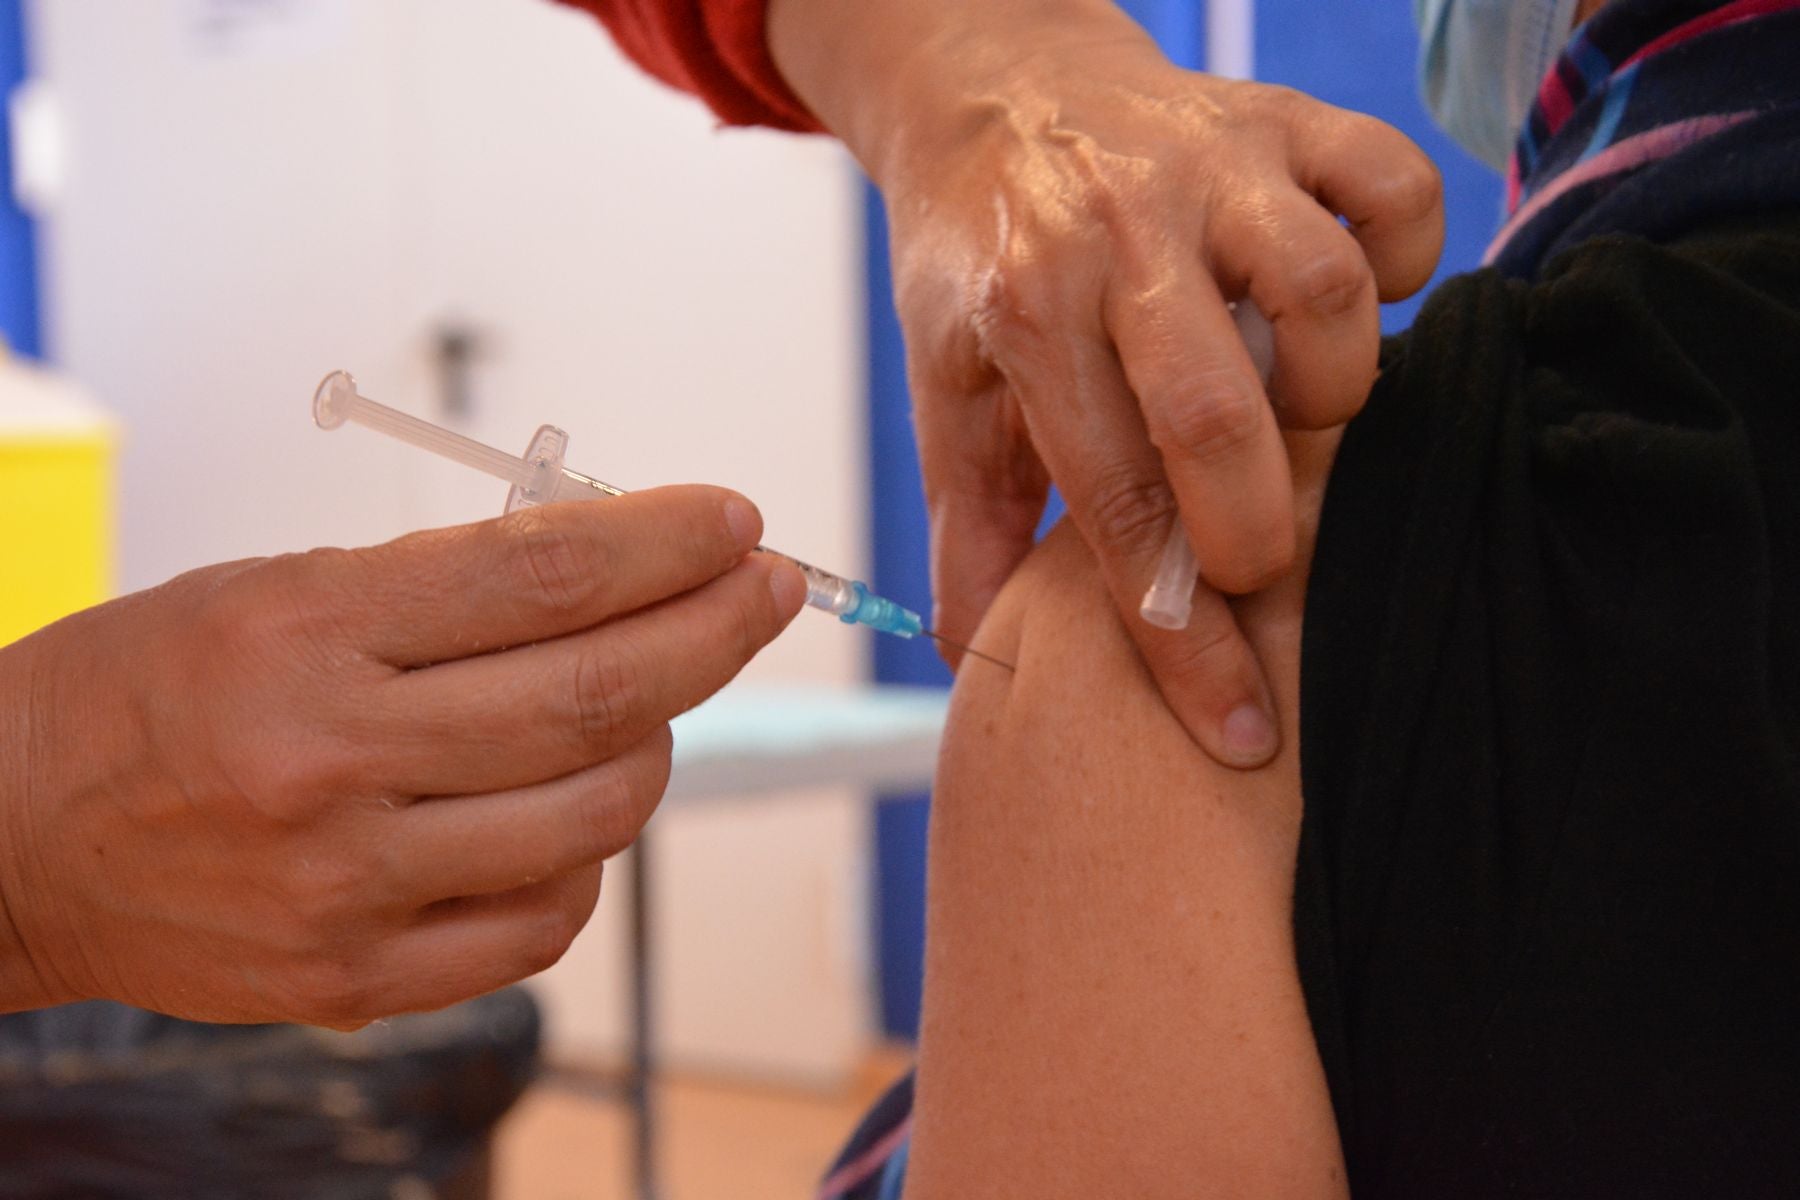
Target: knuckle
point(289, 612)
point(1254, 566)
point(1129, 510)
point(298, 779)
point(1404, 184)
point(296, 590)
point(753, 624)
point(1280, 103)
point(285, 787)
point(324, 891)
point(571, 918)
point(660, 747)
point(330, 990)
point(278, 786)
point(385, 873)
point(1332, 283)
point(608, 815)
point(622, 795)
point(1206, 657)
point(606, 689)
point(1210, 419)
point(231, 620)
point(549, 939)
point(549, 559)
point(1010, 311)
point(1413, 191)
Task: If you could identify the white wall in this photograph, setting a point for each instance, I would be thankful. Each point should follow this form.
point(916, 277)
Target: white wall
point(321, 187)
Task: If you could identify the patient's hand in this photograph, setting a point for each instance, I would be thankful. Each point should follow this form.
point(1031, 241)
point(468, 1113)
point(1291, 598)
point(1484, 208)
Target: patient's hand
point(1111, 1003)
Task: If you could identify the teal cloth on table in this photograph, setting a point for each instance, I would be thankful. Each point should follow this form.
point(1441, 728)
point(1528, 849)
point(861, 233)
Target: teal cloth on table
point(778, 722)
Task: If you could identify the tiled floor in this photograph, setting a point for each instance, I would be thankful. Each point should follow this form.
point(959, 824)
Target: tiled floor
point(719, 1141)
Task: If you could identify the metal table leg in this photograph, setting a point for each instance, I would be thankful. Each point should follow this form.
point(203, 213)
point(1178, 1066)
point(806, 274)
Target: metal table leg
point(643, 1066)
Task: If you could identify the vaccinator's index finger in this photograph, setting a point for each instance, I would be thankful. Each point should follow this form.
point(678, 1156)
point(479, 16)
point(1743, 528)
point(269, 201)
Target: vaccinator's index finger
point(539, 573)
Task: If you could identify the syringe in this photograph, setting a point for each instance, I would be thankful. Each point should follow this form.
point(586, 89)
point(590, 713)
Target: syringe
point(1170, 601)
point(539, 477)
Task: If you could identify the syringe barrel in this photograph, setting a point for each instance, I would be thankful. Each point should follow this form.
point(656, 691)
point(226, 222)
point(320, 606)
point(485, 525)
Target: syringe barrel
point(851, 602)
point(832, 593)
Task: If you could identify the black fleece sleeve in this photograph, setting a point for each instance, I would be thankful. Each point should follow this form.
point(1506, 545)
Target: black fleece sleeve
point(1548, 897)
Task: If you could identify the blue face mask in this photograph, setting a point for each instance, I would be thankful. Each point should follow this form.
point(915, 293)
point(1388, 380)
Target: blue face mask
point(1480, 63)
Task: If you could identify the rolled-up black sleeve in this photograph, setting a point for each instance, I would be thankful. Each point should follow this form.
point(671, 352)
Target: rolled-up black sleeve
point(1548, 897)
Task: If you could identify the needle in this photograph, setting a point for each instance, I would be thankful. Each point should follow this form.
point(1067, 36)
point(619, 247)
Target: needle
point(969, 650)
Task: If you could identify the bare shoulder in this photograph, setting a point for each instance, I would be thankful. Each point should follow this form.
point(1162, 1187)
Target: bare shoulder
point(1082, 705)
point(1112, 1006)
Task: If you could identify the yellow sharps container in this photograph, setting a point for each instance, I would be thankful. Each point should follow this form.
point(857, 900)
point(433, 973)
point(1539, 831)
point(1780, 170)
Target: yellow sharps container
point(56, 499)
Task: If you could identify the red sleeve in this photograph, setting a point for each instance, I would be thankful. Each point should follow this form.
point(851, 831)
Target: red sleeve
point(715, 49)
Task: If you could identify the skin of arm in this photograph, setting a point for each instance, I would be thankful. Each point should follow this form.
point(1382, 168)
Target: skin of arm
point(1111, 1002)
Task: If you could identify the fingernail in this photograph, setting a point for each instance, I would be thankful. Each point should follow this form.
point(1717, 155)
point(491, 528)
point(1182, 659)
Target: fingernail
point(1249, 735)
point(743, 521)
point(788, 588)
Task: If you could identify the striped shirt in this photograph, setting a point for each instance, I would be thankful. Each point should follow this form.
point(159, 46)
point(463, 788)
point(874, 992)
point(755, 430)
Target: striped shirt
point(1643, 83)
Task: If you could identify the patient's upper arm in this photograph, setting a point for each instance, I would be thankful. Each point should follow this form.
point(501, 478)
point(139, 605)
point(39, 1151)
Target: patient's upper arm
point(1111, 1002)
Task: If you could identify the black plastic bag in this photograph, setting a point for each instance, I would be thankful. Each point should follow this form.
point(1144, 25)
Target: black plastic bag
point(99, 1101)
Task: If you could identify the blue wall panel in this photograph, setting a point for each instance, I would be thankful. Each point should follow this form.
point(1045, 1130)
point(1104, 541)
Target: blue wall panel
point(18, 259)
point(901, 571)
point(1179, 27)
